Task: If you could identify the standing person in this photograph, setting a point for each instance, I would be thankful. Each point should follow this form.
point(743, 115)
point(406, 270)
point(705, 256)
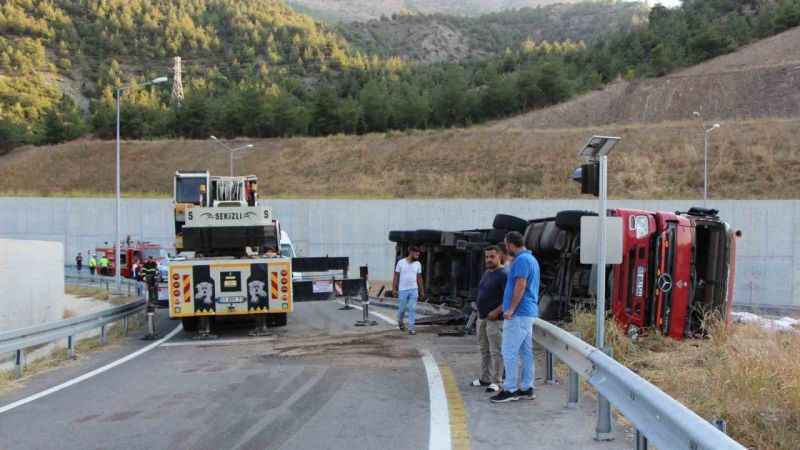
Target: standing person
point(79, 262)
point(104, 264)
point(407, 283)
point(505, 258)
point(92, 264)
point(490, 316)
point(520, 308)
point(150, 277)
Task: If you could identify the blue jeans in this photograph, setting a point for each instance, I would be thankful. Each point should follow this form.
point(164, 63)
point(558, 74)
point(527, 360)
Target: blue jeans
point(407, 300)
point(518, 349)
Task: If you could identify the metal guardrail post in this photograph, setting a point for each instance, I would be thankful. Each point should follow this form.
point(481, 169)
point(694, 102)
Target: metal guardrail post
point(641, 441)
point(604, 429)
point(71, 347)
point(19, 362)
point(125, 326)
point(574, 384)
point(366, 321)
point(549, 369)
point(103, 335)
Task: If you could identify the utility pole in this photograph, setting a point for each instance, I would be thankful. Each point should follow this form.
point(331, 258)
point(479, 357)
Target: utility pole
point(118, 214)
point(177, 84)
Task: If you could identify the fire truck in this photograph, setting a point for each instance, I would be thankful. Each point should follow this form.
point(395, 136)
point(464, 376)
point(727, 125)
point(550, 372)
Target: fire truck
point(229, 263)
point(129, 254)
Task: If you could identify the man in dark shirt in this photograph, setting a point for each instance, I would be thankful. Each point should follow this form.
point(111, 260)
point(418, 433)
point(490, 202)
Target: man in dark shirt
point(490, 314)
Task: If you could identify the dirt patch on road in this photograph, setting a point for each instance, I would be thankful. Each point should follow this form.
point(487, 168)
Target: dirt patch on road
point(380, 349)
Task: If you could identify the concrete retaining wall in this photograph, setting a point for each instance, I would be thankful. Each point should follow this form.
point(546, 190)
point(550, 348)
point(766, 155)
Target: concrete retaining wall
point(768, 257)
point(31, 282)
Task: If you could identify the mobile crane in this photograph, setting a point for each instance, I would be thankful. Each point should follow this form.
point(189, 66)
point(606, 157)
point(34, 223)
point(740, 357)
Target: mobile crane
point(228, 261)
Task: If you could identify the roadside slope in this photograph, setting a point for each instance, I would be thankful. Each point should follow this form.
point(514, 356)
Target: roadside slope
point(760, 80)
point(748, 159)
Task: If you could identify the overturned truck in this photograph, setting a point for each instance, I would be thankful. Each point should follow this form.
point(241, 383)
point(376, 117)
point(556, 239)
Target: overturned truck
point(677, 270)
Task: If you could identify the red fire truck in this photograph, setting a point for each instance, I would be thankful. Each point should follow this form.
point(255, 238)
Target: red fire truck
point(129, 254)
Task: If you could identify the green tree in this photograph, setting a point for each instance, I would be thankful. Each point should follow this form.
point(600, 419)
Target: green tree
point(63, 122)
point(375, 106)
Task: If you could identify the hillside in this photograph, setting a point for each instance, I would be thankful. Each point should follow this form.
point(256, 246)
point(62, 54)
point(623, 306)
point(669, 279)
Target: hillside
point(364, 10)
point(438, 37)
point(760, 80)
point(749, 159)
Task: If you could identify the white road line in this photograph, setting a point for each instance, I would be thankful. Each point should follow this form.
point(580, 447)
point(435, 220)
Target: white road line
point(440, 415)
point(220, 342)
point(383, 317)
point(91, 374)
point(440, 438)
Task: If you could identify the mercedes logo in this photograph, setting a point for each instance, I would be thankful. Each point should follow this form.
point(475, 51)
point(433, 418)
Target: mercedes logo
point(664, 282)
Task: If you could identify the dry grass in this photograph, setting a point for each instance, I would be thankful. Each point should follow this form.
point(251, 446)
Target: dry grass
point(744, 374)
point(88, 292)
point(748, 159)
point(58, 357)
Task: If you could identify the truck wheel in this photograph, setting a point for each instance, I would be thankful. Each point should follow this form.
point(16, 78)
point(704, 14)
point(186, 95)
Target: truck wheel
point(571, 220)
point(428, 236)
point(496, 236)
point(400, 236)
point(549, 309)
point(189, 324)
point(512, 223)
point(278, 320)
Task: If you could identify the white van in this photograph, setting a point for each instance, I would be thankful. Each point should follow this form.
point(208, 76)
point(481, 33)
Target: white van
point(287, 248)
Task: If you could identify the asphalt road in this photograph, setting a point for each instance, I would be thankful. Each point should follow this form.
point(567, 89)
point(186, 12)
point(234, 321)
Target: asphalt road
point(318, 383)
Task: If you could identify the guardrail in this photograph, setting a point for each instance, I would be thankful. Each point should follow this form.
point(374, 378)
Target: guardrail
point(658, 418)
point(17, 341)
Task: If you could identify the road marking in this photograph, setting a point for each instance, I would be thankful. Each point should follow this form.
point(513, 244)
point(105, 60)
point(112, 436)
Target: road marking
point(220, 342)
point(385, 318)
point(448, 426)
point(91, 374)
point(459, 429)
point(439, 413)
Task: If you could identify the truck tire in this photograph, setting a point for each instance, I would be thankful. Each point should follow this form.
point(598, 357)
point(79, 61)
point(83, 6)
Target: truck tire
point(533, 235)
point(549, 309)
point(496, 236)
point(428, 236)
point(511, 223)
point(189, 324)
point(471, 236)
point(571, 220)
point(278, 320)
point(400, 236)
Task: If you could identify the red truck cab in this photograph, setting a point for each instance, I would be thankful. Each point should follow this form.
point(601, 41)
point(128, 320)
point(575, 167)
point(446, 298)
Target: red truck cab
point(677, 271)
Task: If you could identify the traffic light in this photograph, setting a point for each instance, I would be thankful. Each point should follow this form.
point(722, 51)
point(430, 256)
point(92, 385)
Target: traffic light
point(588, 175)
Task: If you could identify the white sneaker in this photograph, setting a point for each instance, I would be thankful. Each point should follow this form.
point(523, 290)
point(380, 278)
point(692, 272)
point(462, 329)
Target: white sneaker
point(477, 382)
point(493, 388)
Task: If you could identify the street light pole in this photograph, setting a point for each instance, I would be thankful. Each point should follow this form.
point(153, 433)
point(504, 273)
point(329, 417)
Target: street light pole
point(705, 164)
point(117, 278)
point(117, 242)
point(231, 151)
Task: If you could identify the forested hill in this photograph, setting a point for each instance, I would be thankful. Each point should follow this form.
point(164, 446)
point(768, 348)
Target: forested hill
point(364, 10)
point(439, 37)
point(83, 47)
point(258, 68)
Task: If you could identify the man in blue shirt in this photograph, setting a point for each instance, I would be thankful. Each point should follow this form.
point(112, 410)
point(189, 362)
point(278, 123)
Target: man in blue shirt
point(520, 308)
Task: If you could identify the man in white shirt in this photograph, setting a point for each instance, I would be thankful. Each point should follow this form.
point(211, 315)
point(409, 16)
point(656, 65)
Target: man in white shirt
point(407, 284)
